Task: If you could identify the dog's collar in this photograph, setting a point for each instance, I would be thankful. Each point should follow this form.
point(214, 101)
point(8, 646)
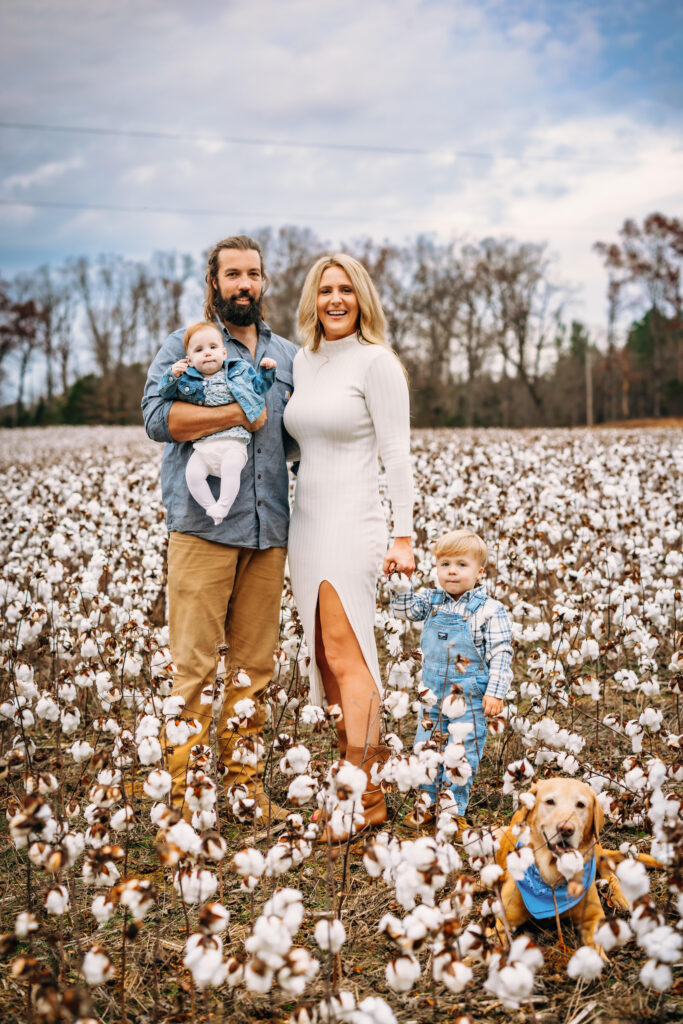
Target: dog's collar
point(538, 895)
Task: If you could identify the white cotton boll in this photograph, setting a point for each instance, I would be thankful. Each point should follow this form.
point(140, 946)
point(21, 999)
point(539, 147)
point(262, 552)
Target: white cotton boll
point(524, 950)
point(397, 703)
point(97, 967)
point(312, 715)
point(296, 760)
point(491, 874)
point(70, 719)
point(586, 964)
point(195, 886)
point(270, 941)
point(184, 837)
point(633, 878)
point(663, 944)
point(454, 974)
point(402, 973)
point(241, 680)
point(656, 976)
point(122, 819)
point(149, 750)
point(302, 789)
point(25, 923)
point(453, 706)
point(157, 784)
point(173, 706)
point(519, 862)
point(511, 985)
point(245, 708)
point(372, 1010)
point(287, 904)
point(57, 900)
point(330, 935)
point(400, 675)
point(570, 864)
point(47, 709)
point(177, 732)
point(249, 862)
point(613, 934)
point(81, 751)
point(102, 909)
point(258, 977)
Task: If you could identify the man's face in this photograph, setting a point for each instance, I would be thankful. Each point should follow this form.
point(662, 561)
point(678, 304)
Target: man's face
point(240, 285)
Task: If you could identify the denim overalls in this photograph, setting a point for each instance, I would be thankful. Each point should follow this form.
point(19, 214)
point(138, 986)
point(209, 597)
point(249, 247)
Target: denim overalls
point(446, 634)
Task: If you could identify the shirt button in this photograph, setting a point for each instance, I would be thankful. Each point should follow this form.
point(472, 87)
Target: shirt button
point(258, 476)
point(259, 503)
point(258, 451)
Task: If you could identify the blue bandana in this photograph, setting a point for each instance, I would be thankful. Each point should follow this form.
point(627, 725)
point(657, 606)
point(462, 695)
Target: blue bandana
point(538, 895)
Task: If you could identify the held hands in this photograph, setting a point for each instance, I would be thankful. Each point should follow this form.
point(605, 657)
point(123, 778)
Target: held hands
point(399, 557)
point(178, 369)
point(268, 364)
point(493, 706)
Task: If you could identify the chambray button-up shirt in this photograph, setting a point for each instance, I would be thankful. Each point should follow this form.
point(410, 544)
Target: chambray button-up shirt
point(259, 517)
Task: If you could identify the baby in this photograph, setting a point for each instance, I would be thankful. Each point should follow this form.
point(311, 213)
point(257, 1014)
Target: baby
point(207, 377)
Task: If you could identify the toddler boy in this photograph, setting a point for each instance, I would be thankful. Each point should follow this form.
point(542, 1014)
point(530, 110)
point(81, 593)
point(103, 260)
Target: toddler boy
point(467, 642)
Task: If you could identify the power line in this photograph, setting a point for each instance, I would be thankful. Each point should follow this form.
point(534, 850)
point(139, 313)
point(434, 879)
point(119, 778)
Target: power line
point(307, 145)
point(465, 225)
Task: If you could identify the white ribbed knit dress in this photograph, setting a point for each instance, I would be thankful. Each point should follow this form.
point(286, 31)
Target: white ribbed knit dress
point(350, 399)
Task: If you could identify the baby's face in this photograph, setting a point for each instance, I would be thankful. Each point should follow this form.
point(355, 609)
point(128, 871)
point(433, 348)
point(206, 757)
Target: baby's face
point(206, 351)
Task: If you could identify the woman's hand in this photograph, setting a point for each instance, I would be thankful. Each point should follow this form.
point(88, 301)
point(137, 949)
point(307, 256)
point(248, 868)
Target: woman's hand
point(400, 557)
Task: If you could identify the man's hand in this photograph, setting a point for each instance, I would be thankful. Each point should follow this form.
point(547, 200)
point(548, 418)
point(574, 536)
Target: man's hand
point(493, 706)
point(178, 369)
point(400, 557)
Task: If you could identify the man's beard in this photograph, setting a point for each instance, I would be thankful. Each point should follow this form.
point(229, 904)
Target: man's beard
point(232, 312)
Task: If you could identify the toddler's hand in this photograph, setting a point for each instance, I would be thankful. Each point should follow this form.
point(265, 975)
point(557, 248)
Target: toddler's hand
point(178, 369)
point(493, 706)
point(268, 364)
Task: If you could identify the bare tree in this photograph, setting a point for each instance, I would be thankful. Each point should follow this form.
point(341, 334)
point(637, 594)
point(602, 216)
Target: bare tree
point(163, 284)
point(111, 293)
point(525, 306)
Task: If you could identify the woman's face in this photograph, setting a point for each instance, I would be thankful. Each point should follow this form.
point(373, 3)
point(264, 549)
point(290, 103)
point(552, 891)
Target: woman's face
point(337, 305)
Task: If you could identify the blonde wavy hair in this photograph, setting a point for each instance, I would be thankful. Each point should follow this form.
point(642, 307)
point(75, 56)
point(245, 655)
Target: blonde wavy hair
point(372, 324)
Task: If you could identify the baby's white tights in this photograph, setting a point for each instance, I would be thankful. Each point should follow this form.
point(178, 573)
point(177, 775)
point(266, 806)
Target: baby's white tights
point(232, 462)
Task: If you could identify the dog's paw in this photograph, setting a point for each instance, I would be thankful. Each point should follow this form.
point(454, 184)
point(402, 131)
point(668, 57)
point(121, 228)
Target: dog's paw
point(615, 895)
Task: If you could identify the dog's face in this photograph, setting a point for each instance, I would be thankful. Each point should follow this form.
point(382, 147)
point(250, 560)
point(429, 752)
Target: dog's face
point(566, 816)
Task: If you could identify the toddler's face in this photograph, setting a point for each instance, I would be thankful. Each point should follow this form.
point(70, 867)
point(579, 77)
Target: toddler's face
point(206, 351)
point(458, 573)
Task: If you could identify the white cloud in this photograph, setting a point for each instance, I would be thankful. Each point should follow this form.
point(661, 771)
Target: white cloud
point(44, 173)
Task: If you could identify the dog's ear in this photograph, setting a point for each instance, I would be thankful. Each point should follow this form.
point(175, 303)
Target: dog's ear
point(598, 817)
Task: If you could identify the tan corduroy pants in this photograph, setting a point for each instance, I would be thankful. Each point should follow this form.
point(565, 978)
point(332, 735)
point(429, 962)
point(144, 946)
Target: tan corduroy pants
point(219, 594)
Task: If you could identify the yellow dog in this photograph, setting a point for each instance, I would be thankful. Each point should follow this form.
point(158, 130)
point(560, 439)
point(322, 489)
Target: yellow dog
point(565, 817)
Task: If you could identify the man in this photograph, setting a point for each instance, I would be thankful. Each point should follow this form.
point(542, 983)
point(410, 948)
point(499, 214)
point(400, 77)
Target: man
point(225, 581)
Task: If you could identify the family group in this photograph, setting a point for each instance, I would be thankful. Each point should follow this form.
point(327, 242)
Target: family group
point(237, 406)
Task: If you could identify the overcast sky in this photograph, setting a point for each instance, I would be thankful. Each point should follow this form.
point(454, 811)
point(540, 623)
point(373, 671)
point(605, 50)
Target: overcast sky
point(539, 119)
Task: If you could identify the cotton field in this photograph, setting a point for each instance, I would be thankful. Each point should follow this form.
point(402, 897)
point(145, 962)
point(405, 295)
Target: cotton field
point(112, 909)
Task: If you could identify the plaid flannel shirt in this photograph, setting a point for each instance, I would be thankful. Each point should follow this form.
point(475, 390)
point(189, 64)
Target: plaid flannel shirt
point(490, 626)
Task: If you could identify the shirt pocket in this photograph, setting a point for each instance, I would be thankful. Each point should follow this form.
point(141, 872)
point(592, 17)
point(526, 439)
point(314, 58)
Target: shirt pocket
point(281, 391)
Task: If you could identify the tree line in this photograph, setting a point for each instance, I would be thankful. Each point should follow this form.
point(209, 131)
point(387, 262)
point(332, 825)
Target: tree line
point(480, 326)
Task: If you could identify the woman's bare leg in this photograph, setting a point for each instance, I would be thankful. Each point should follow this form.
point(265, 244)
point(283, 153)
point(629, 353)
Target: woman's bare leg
point(346, 677)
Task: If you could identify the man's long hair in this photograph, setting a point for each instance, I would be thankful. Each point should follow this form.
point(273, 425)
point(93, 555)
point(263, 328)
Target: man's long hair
point(243, 242)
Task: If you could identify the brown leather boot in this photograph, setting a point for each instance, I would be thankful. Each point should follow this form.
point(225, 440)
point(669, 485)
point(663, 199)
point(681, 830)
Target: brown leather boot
point(374, 805)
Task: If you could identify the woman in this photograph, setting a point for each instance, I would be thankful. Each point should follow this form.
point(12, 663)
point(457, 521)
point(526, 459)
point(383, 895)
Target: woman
point(350, 398)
